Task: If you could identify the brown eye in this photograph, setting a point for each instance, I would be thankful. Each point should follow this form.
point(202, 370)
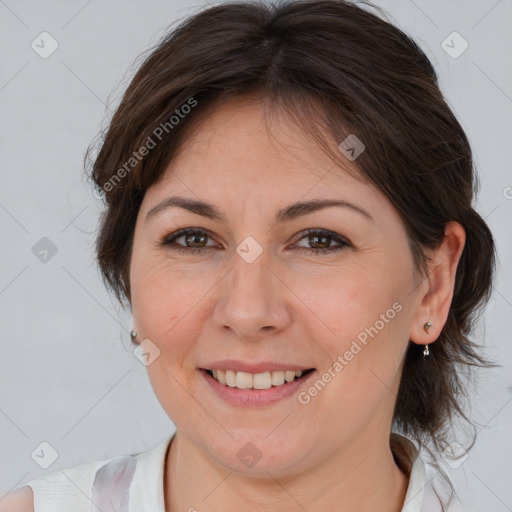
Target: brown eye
point(321, 242)
point(194, 240)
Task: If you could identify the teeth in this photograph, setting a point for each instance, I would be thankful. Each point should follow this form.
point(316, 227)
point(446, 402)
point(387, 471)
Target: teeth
point(277, 378)
point(230, 379)
point(261, 380)
point(221, 376)
point(289, 376)
point(243, 380)
point(265, 380)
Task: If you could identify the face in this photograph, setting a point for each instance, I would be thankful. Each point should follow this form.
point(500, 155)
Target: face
point(254, 288)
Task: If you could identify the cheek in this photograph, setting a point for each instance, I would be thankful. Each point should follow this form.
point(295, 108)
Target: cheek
point(360, 314)
point(365, 348)
point(168, 305)
point(167, 309)
point(344, 301)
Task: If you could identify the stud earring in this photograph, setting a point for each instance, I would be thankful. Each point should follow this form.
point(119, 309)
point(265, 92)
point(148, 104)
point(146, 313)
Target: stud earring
point(133, 335)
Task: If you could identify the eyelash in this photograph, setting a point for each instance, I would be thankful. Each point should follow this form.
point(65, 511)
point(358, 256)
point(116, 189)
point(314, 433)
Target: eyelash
point(169, 240)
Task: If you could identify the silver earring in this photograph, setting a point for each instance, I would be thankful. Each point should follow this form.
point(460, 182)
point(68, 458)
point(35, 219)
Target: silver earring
point(133, 335)
point(426, 328)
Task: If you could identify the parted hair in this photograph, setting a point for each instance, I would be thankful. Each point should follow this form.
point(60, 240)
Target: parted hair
point(337, 69)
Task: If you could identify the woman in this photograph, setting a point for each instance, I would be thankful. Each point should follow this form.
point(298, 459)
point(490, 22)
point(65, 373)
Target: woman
point(289, 218)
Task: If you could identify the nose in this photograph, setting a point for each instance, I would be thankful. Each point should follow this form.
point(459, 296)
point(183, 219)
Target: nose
point(253, 299)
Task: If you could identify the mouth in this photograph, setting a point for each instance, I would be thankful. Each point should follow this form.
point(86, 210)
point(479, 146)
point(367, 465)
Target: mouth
point(258, 381)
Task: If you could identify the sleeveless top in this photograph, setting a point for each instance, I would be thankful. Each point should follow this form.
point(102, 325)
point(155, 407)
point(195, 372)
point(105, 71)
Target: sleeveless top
point(135, 483)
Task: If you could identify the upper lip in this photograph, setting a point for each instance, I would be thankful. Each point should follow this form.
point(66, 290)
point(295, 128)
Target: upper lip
point(264, 366)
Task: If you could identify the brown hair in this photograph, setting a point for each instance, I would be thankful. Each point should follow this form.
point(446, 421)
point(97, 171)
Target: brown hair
point(338, 69)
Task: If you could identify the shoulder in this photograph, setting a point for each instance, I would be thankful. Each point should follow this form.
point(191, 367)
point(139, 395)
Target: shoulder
point(72, 488)
point(20, 500)
point(66, 489)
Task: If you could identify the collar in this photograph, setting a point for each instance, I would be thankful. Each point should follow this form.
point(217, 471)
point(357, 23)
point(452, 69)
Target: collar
point(407, 458)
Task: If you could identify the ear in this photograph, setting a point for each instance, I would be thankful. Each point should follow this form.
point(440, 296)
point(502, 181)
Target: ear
point(437, 289)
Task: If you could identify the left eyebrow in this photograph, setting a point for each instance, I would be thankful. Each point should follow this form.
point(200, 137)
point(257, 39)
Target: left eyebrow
point(286, 214)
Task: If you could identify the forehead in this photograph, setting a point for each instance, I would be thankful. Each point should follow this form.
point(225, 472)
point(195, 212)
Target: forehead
point(245, 145)
point(251, 168)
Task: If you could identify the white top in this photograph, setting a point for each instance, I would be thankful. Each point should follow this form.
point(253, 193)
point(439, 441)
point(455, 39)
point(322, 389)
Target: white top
point(135, 483)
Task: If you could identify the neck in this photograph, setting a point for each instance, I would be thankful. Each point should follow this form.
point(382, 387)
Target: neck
point(361, 477)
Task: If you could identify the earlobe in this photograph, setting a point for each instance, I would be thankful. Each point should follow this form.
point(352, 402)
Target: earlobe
point(434, 307)
point(424, 335)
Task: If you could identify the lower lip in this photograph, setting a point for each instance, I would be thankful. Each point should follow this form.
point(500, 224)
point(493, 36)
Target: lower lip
point(255, 397)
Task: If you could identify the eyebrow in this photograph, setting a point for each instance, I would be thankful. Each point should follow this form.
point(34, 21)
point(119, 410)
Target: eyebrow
point(286, 214)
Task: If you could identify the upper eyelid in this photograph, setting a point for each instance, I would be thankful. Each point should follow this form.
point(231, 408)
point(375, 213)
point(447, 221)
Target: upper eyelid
point(187, 231)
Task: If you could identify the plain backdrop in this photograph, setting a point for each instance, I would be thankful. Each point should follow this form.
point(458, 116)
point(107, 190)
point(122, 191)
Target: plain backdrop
point(68, 376)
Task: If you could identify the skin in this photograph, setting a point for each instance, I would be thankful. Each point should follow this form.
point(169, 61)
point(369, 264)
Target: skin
point(286, 306)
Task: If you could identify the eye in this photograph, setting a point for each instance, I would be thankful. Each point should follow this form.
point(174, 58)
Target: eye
point(321, 239)
point(193, 236)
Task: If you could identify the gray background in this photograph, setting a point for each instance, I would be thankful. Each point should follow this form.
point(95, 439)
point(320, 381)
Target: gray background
point(67, 374)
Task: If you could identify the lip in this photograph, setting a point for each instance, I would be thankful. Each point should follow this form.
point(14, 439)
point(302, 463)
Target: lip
point(241, 366)
point(255, 397)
